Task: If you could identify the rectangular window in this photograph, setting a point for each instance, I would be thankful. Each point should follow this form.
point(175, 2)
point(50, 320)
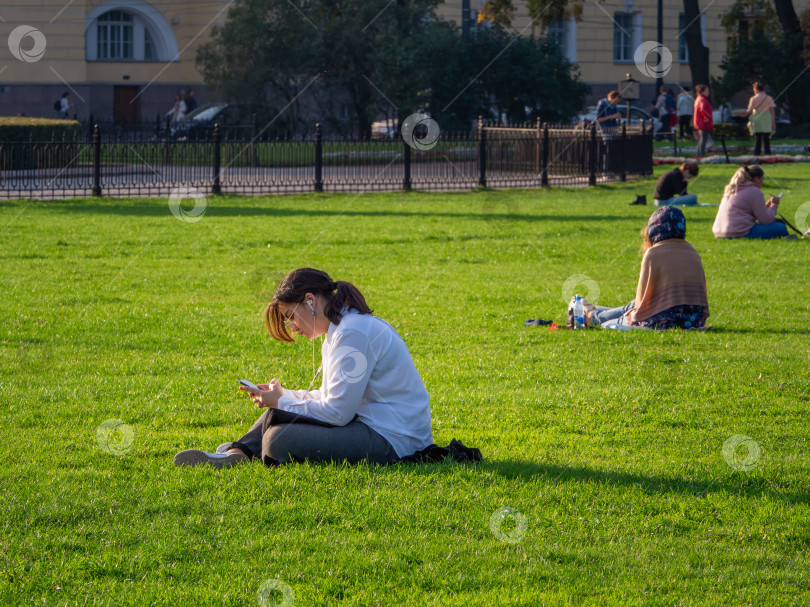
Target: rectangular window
point(114, 36)
point(623, 37)
point(557, 34)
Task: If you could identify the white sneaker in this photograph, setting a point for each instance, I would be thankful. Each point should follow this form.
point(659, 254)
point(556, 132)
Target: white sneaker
point(194, 457)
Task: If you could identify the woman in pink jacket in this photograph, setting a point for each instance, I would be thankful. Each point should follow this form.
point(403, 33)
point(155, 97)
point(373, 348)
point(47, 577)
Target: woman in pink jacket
point(704, 123)
point(743, 210)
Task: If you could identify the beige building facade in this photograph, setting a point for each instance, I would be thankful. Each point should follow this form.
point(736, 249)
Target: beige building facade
point(125, 60)
point(122, 60)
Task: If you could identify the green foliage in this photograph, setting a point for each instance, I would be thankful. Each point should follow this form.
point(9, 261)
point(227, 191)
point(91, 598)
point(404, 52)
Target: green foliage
point(758, 15)
point(23, 128)
point(16, 133)
point(501, 13)
point(765, 54)
point(520, 72)
point(369, 58)
point(609, 443)
point(347, 56)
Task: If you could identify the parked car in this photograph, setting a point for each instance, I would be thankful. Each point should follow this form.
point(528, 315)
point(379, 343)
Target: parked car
point(384, 129)
point(233, 120)
point(636, 116)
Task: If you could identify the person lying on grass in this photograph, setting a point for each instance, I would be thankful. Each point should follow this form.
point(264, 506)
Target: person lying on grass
point(671, 288)
point(372, 404)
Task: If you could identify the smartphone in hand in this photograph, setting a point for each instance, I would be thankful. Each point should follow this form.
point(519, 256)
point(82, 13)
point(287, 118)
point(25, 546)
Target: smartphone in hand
point(250, 386)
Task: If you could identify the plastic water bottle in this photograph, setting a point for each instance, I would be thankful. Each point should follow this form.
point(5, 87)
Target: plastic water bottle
point(579, 313)
point(569, 317)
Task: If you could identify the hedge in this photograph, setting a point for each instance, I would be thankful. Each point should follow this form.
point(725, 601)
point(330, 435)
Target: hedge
point(17, 154)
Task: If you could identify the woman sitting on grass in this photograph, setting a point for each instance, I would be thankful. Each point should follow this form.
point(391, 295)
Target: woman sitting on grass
point(372, 404)
point(743, 211)
point(671, 287)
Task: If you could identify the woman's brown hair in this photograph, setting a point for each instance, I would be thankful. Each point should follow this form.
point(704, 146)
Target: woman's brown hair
point(297, 284)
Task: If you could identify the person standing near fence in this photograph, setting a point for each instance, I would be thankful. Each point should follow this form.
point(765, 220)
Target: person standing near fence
point(608, 119)
point(665, 105)
point(178, 111)
point(686, 107)
point(607, 116)
point(191, 101)
point(64, 105)
point(703, 120)
point(762, 118)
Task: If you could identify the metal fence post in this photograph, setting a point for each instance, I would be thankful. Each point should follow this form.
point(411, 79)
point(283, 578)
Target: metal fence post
point(623, 174)
point(538, 151)
point(253, 135)
point(216, 188)
point(544, 161)
point(592, 157)
point(318, 158)
point(96, 161)
point(406, 180)
point(482, 154)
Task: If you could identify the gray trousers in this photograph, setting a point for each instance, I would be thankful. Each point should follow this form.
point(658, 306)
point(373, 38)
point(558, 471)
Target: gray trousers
point(287, 443)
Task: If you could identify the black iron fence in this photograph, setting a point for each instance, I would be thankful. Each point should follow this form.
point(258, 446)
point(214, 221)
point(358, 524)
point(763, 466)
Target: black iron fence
point(491, 156)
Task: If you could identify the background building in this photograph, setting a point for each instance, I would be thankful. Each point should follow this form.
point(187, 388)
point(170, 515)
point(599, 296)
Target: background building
point(120, 59)
point(125, 60)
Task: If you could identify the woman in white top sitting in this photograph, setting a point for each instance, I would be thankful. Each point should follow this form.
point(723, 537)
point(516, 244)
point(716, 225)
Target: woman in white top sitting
point(372, 404)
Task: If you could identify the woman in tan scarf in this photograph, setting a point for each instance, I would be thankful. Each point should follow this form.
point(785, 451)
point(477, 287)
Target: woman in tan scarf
point(671, 288)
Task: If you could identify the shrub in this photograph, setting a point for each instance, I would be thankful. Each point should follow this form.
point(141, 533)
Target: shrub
point(37, 143)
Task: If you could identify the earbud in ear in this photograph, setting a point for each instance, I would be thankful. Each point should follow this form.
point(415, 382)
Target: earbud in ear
point(311, 307)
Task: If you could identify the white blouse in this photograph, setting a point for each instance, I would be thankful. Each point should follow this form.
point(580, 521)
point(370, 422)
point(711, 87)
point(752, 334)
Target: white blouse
point(368, 371)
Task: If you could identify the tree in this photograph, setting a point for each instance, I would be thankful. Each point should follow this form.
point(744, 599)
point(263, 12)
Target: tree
point(769, 44)
point(698, 52)
point(542, 12)
point(351, 54)
point(491, 73)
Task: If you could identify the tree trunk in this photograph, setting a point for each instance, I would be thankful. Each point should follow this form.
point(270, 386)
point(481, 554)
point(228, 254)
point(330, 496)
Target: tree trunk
point(698, 52)
point(787, 16)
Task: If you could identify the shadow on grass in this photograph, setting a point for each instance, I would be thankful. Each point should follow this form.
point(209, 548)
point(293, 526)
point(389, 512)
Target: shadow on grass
point(737, 483)
point(760, 331)
point(215, 210)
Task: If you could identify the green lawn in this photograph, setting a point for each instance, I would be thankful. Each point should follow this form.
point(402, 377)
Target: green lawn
point(606, 445)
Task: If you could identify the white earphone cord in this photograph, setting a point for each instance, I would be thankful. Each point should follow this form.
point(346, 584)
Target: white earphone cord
point(314, 372)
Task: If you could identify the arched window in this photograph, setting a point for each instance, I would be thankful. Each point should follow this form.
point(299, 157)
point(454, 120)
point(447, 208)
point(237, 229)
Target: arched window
point(127, 30)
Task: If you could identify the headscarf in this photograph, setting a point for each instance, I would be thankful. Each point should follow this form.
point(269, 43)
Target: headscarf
point(665, 223)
